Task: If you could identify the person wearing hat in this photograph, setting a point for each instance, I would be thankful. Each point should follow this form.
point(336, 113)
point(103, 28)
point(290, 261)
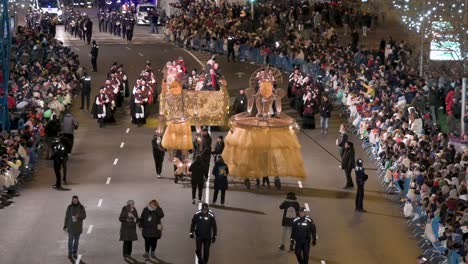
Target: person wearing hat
point(73, 225)
point(220, 172)
point(290, 207)
point(129, 220)
point(361, 178)
point(59, 156)
point(204, 229)
point(158, 152)
point(303, 234)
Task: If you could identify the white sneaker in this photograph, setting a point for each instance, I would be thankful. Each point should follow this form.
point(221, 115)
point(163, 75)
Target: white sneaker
point(159, 176)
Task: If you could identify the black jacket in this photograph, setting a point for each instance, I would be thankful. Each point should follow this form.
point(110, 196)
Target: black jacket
point(86, 84)
point(219, 147)
point(221, 172)
point(342, 139)
point(325, 109)
point(158, 150)
point(304, 230)
point(94, 51)
point(149, 222)
point(240, 104)
point(361, 176)
point(290, 211)
point(348, 160)
point(204, 225)
point(198, 169)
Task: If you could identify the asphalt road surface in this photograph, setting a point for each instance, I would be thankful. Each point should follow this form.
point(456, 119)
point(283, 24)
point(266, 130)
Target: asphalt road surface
point(111, 165)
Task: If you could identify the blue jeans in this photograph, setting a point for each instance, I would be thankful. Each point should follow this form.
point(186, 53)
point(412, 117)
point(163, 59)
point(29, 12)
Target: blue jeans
point(154, 28)
point(324, 123)
point(73, 241)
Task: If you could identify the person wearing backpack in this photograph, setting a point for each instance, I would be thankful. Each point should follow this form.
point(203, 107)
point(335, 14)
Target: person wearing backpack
point(220, 172)
point(290, 207)
point(361, 178)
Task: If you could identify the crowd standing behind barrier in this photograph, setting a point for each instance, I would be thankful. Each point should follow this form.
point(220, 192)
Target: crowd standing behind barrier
point(395, 112)
point(44, 77)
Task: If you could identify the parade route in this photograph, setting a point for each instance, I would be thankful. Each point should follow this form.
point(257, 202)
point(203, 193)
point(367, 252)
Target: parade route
point(111, 165)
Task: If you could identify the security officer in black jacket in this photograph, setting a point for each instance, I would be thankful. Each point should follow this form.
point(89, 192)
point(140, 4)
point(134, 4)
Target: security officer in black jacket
point(158, 153)
point(204, 230)
point(361, 178)
point(230, 48)
point(59, 156)
point(303, 232)
point(85, 90)
point(94, 55)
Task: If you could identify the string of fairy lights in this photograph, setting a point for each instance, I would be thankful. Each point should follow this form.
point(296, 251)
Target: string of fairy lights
point(441, 15)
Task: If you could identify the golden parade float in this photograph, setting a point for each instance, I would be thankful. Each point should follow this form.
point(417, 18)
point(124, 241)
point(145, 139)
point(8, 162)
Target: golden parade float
point(180, 109)
point(263, 143)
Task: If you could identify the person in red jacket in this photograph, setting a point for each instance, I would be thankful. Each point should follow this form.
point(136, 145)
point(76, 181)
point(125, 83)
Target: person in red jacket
point(449, 102)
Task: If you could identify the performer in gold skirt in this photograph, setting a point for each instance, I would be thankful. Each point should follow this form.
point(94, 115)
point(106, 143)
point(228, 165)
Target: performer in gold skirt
point(264, 144)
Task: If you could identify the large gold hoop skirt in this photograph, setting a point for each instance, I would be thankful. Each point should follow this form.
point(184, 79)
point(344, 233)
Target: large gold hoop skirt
point(258, 151)
point(178, 136)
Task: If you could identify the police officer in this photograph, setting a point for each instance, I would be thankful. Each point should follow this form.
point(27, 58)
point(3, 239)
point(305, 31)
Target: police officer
point(94, 55)
point(131, 26)
point(102, 17)
point(59, 156)
point(204, 230)
point(85, 90)
point(158, 153)
point(303, 232)
point(230, 47)
point(361, 178)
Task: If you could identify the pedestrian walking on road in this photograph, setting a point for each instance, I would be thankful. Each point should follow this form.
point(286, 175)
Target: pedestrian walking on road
point(73, 225)
point(342, 139)
point(325, 113)
point(219, 148)
point(206, 151)
point(150, 223)
point(69, 125)
point(59, 156)
point(198, 171)
point(129, 220)
point(88, 28)
point(158, 153)
point(361, 178)
point(94, 55)
point(348, 164)
point(204, 229)
point(85, 90)
point(303, 234)
point(290, 208)
point(220, 172)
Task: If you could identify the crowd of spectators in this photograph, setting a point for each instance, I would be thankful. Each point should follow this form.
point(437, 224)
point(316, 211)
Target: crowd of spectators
point(398, 114)
point(43, 77)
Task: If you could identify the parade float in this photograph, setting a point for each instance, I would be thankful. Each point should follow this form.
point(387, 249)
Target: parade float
point(263, 142)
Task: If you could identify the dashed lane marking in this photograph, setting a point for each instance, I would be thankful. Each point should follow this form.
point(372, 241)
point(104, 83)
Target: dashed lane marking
point(99, 204)
point(115, 161)
point(128, 48)
point(141, 54)
point(90, 229)
point(76, 48)
point(300, 184)
point(122, 144)
point(128, 130)
point(108, 180)
point(78, 259)
point(307, 208)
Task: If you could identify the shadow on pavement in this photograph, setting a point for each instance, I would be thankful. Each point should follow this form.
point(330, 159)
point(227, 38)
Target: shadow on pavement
point(63, 189)
point(235, 209)
point(73, 260)
point(386, 215)
point(132, 260)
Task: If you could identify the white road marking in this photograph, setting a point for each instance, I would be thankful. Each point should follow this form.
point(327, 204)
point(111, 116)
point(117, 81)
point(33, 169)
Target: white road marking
point(99, 204)
point(122, 144)
point(323, 262)
point(128, 130)
point(89, 55)
point(78, 259)
point(128, 48)
point(195, 57)
point(141, 54)
point(76, 48)
point(307, 208)
point(115, 161)
point(108, 180)
point(300, 184)
point(90, 229)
